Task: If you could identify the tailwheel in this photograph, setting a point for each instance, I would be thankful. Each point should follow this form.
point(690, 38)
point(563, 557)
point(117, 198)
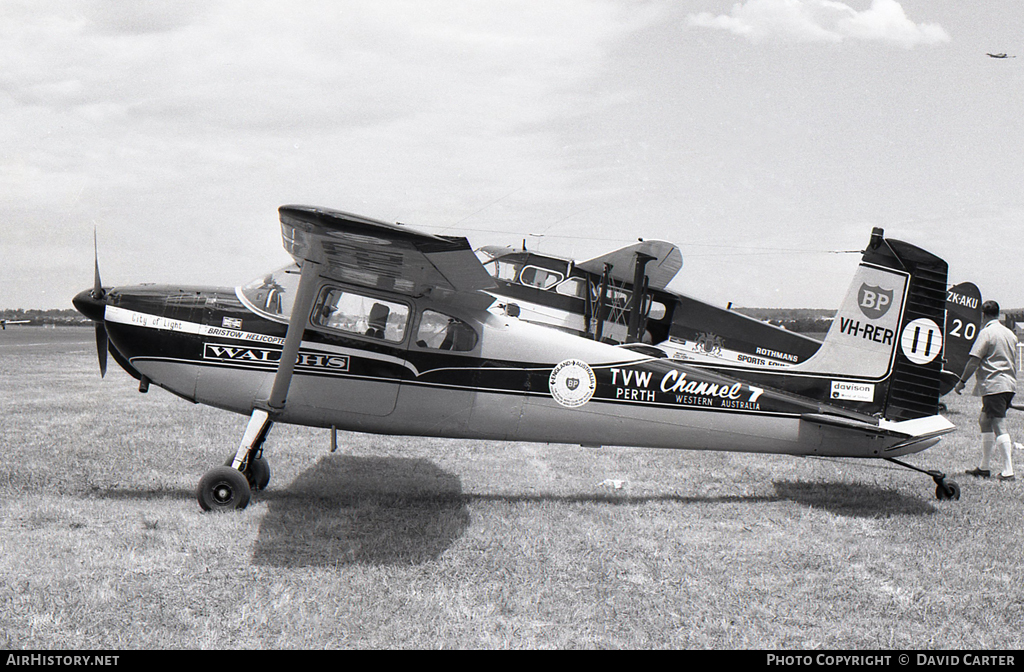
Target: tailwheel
point(947, 490)
point(223, 489)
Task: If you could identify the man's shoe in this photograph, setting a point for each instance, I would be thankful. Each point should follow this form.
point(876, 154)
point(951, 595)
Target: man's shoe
point(1011, 477)
point(980, 473)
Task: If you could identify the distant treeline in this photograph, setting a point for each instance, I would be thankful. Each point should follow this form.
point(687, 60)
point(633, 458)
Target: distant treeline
point(801, 320)
point(63, 317)
point(811, 320)
point(1012, 317)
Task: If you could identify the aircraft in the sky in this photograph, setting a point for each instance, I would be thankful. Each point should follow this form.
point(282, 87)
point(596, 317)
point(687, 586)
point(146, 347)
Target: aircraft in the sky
point(1001, 56)
point(4, 323)
point(379, 328)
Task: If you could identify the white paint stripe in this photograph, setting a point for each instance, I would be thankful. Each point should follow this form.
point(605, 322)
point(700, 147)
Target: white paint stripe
point(147, 321)
point(137, 319)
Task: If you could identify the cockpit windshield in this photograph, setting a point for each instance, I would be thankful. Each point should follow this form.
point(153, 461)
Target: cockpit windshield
point(274, 293)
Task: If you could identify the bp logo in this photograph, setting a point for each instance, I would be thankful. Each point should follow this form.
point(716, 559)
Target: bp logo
point(572, 383)
point(874, 301)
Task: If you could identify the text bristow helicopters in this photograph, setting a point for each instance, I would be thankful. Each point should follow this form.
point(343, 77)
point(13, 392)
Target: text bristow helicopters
point(379, 328)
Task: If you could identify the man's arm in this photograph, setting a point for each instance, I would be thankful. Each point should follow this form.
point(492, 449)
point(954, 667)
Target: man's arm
point(972, 365)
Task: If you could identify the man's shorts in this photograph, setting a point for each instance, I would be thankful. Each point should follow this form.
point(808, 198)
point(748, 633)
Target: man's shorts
point(995, 405)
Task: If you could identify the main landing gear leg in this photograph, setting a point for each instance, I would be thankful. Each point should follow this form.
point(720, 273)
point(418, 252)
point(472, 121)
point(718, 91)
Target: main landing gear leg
point(944, 490)
point(230, 487)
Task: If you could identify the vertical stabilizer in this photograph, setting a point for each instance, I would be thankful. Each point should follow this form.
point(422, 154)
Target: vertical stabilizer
point(886, 341)
point(963, 322)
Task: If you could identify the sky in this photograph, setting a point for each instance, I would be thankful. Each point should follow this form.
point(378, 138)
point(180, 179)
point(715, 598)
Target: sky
point(766, 138)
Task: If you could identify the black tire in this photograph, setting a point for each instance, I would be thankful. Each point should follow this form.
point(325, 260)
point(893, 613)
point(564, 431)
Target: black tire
point(223, 489)
point(260, 476)
point(258, 472)
point(947, 490)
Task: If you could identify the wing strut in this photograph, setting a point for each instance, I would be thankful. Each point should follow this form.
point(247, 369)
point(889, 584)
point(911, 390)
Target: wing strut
point(293, 338)
point(599, 329)
point(261, 419)
point(636, 304)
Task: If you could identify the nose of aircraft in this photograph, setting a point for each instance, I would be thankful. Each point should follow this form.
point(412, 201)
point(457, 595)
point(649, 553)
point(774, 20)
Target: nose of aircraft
point(92, 304)
point(87, 304)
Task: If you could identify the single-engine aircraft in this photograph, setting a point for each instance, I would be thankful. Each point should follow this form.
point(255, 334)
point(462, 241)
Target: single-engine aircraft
point(379, 328)
point(4, 323)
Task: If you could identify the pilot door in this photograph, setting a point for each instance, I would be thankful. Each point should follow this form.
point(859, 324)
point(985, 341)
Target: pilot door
point(352, 358)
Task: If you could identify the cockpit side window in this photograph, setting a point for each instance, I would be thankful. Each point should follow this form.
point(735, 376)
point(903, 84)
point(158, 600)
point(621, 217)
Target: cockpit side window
point(533, 276)
point(361, 315)
point(444, 332)
point(502, 270)
point(576, 287)
point(274, 292)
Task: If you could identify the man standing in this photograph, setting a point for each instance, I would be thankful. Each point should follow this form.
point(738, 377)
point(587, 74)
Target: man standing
point(994, 365)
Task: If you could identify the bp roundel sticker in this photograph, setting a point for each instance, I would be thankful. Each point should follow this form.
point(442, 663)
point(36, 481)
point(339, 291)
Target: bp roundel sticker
point(921, 341)
point(572, 383)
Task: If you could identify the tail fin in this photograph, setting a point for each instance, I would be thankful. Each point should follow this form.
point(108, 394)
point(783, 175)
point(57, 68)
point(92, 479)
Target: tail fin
point(883, 349)
point(963, 321)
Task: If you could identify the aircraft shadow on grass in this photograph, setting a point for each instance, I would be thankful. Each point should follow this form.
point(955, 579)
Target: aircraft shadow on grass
point(848, 499)
point(386, 511)
point(852, 499)
point(362, 510)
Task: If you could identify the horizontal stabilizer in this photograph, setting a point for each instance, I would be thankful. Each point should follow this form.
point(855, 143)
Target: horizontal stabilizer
point(910, 436)
point(919, 428)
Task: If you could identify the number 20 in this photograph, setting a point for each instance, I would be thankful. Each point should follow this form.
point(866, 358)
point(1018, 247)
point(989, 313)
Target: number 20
point(969, 331)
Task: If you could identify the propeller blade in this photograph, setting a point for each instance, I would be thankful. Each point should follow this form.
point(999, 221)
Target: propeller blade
point(97, 286)
point(101, 347)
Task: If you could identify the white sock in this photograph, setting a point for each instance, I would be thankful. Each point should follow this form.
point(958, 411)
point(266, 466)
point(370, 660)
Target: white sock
point(988, 440)
point(1006, 446)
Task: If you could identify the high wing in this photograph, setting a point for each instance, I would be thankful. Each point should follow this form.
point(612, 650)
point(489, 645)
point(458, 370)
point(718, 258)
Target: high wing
point(371, 253)
point(660, 271)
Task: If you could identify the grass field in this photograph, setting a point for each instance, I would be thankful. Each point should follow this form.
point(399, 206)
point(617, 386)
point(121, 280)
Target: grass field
point(409, 542)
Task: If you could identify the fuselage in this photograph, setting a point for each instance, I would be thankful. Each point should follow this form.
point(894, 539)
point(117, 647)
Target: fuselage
point(392, 364)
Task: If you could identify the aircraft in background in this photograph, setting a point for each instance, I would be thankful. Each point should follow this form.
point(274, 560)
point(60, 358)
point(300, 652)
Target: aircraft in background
point(379, 328)
point(596, 299)
point(963, 322)
point(4, 323)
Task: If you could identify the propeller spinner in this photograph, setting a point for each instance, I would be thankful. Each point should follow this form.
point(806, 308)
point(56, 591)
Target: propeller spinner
point(92, 303)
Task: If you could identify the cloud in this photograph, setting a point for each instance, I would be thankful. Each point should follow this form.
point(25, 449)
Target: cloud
point(152, 122)
point(822, 21)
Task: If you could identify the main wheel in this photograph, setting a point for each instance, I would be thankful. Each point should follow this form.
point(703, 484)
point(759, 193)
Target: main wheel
point(260, 476)
point(258, 472)
point(223, 489)
point(947, 490)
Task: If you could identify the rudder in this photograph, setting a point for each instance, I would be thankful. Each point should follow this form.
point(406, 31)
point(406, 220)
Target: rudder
point(884, 346)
